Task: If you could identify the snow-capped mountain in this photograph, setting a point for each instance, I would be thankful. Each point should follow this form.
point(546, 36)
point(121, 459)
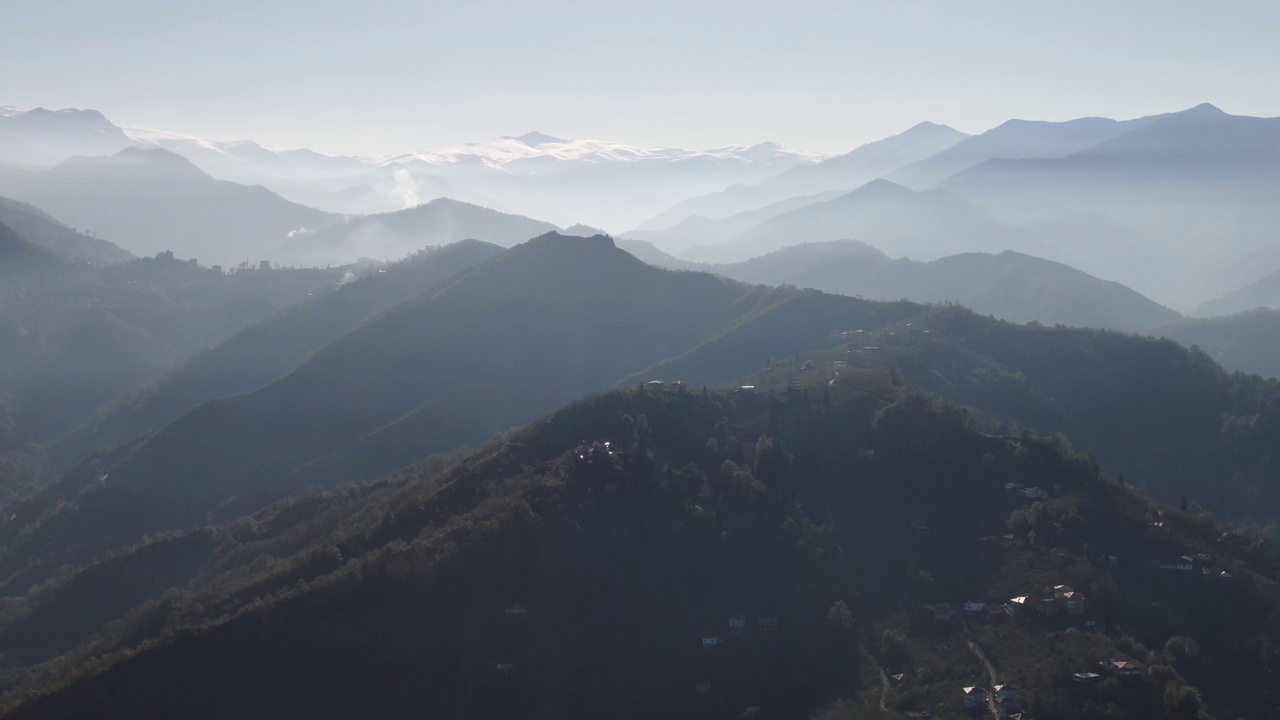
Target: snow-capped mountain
point(603, 183)
point(506, 151)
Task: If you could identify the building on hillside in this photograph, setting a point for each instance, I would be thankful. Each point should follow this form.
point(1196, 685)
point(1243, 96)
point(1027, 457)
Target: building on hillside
point(1157, 529)
point(516, 611)
point(1074, 603)
point(503, 668)
point(703, 687)
point(1121, 668)
point(972, 607)
point(897, 680)
point(1060, 591)
point(710, 641)
point(676, 386)
point(1036, 493)
point(1185, 563)
point(866, 453)
point(655, 385)
point(1007, 698)
point(1047, 607)
point(975, 698)
point(767, 624)
point(793, 383)
point(737, 624)
point(1086, 678)
point(747, 389)
point(841, 364)
point(919, 527)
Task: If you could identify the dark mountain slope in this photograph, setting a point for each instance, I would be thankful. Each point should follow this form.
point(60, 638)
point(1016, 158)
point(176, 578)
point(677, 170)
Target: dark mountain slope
point(267, 350)
point(1245, 342)
point(19, 257)
point(43, 231)
point(390, 599)
point(1008, 285)
point(391, 236)
point(542, 324)
point(72, 340)
point(154, 200)
point(1166, 417)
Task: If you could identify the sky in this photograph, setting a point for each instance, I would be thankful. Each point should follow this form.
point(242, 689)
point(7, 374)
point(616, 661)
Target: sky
point(389, 76)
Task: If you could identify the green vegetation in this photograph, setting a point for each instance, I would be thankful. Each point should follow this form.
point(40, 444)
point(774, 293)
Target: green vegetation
point(388, 596)
point(843, 539)
point(76, 338)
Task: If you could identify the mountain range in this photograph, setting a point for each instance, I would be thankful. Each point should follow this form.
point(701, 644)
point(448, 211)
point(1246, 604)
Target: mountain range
point(920, 225)
point(37, 227)
point(841, 172)
point(314, 490)
point(852, 437)
point(558, 574)
point(396, 234)
point(152, 201)
point(437, 372)
point(1011, 286)
point(1174, 205)
point(609, 184)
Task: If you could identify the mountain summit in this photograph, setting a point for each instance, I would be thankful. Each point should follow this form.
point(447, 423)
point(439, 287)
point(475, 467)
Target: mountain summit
point(535, 138)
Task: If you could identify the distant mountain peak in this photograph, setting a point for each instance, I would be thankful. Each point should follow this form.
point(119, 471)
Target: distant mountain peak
point(535, 139)
point(160, 158)
point(1204, 110)
point(880, 186)
point(583, 230)
point(929, 127)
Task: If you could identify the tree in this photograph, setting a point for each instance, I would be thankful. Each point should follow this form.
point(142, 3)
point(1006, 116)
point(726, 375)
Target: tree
point(840, 617)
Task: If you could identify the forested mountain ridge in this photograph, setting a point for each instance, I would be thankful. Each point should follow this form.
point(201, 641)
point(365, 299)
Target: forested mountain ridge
point(586, 316)
point(39, 229)
point(20, 257)
point(1247, 341)
point(77, 337)
point(506, 340)
point(268, 349)
point(1009, 285)
point(568, 579)
point(1164, 416)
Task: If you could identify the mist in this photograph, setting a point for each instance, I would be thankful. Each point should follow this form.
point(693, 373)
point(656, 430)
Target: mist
point(693, 361)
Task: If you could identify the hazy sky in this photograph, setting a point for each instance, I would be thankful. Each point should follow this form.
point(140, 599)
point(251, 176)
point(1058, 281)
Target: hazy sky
point(391, 75)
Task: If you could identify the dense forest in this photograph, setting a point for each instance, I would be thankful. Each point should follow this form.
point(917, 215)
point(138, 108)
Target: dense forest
point(778, 503)
point(758, 552)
